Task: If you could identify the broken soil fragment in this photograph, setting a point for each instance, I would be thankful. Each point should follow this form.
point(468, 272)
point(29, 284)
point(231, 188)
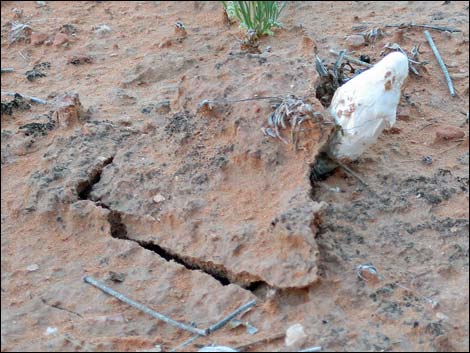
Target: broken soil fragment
point(37, 71)
point(446, 133)
point(80, 59)
point(17, 102)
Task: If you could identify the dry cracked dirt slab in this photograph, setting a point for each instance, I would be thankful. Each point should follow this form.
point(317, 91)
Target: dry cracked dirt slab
point(194, 212)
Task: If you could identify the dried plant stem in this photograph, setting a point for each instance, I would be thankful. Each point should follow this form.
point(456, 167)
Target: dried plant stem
point(32, 99)
point(352, 173)
point(351, 59)
point(143, 308)
point(185, 343)
point(260, 341)
point(441, 63)
point(311, 349)
point(218, 325)
point(437, 28)
point(227, 101)
point(230, 316)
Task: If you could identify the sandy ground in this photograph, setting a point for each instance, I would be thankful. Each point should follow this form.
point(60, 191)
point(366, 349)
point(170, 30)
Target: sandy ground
point(195, 212)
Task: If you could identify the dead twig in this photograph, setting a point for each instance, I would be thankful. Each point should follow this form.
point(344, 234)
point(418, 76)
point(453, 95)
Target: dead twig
point(459, 142)
point(230, 316)
point(311, 349)
point(321, 69)
point(208, 104)
point(143, 308)
point(352, 59)
point(425, 126)
point(413, 59)
point(352, 173)
point(7, 69)
point(260, 341)
point(227, 101)
point(32, 99)
point(441, 62)
point(185, 343)
point(437, 28)
point(217, 325)
point(58, 307)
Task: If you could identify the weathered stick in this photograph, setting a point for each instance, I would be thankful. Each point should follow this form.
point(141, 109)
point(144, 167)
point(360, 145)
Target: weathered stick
point(32, 99)
point(441, 62)
point(217, 325)
point(437, 28)
point(185, 343)
point(230, 316)
point(352, 173)
point(320, 67)
point(227, 101)
point(7, 69)
point(311, 349)
point(263, 340)
point(351, 59)
point(143, 308)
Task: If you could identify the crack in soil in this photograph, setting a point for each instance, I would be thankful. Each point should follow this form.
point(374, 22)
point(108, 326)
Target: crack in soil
point(217, 272)
point(84, 188)
point(118, 230)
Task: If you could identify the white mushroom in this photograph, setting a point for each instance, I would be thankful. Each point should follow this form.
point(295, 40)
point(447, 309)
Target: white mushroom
point(366, 105)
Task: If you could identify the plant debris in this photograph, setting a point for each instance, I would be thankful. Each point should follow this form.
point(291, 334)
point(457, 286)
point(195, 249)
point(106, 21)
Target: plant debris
point(37, 71)
point(291, 112)
point(332, 77)
point(80, 59)
point(413, 60)
point(441, 63)
point(17, 102)
point(437, 28)
point(20, 32)
point(68, 29)
point(38, 129)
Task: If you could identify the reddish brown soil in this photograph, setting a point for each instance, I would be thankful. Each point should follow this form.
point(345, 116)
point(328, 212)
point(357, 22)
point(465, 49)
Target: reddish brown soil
point(194, 213)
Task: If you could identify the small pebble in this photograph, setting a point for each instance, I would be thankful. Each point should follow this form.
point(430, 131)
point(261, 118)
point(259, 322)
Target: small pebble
point(32, 268)
point(37, 38)
point(50, 331)
point(102, 30)
point(427, 160)
point(449, 133)
point(295, 335)
point(159, 198)
point(355, 40)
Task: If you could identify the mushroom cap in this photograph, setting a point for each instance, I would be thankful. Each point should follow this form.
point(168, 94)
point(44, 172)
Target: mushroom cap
point(367, 104)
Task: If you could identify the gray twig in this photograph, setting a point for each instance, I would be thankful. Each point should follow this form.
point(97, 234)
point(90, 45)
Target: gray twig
point(459, 142)
point(7, 69)
point(351, 59)
point(227, 101)
point(263, 340)
point(320, 67)
point(32, 99)
point(185, 343)
point(143, 308)
point(341, 55)
point(230, 316)
point(437, 28)
point(311, 349)
point(217, 325)
point(352, 173)
point(441, 62)
point(57, 306)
